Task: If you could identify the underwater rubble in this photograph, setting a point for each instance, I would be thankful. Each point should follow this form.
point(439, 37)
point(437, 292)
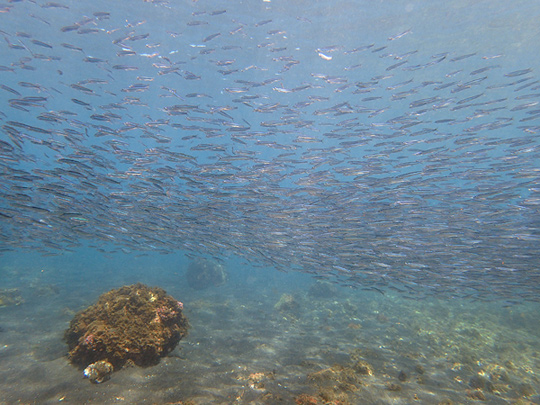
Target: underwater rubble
point(10, 296)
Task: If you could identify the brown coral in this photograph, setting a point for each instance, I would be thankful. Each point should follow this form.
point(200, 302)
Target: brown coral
point(137, 323)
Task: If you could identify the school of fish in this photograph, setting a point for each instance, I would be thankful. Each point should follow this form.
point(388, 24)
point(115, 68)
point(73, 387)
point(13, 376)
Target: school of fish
point(181, 127)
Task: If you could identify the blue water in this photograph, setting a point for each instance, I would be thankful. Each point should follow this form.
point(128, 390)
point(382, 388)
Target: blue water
point(388, 150)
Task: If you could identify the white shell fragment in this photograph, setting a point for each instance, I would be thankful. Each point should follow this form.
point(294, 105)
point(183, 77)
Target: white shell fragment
point(98, 372)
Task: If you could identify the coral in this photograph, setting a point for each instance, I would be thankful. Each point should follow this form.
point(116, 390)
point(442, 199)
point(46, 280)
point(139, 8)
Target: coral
point(135, 324)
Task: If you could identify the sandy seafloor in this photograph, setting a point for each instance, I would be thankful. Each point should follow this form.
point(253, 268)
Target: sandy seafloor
point(242, 350)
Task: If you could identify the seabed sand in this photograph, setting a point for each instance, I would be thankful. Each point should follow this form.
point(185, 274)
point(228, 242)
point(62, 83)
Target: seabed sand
point(243, 349)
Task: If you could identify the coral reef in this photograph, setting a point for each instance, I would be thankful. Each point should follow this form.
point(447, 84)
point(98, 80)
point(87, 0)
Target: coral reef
point(203, 273)
point(135, 324)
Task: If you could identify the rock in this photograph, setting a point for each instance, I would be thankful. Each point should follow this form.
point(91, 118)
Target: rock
point(134, 323)
point(287, 303)
point(393, 387)
point(99, 372)
point(402, 376)
point(497, 373)
point(526, 390)
point(476, 395)
point(479, 382)
point(203, 273)
point(362, 367)
point(10, 296)
point(322, 289)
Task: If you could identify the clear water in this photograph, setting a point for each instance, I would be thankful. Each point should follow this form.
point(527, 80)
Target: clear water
point(387, 148)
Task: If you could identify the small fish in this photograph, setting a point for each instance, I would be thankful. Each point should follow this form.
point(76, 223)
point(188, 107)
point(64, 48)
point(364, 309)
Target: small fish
point(517, 73)
point(7, 88)
point(69, 28)
point(125, 67)
point(101, 14)
point(466, 56)
point(41, 43)
point(81, 88)
point(72, 47)
point(211, 37)
point(396, 65)
point(263, 22)
point(79, 102)
point(91, 59)
point(324, 56)
point(398, 36)
point(54, 5)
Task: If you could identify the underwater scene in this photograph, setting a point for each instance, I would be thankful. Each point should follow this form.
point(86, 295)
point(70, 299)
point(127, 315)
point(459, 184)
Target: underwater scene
point(270, 202)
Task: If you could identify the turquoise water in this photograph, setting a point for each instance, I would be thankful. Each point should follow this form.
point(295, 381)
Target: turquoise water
point(367, 174)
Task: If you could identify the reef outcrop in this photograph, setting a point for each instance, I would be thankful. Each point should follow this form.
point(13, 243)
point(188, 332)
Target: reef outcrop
point(203, 273)
point(133, 324)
